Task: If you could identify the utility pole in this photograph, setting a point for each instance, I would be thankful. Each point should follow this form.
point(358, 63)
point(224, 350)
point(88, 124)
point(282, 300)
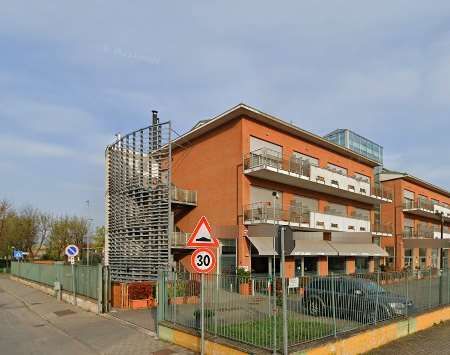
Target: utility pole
point(87, 237)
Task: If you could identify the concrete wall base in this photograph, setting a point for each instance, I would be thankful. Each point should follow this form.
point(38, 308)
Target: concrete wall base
point(81, 301)
point(192, 342)
point(374, 338)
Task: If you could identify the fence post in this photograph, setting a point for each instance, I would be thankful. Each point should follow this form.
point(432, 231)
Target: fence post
point(407, 295)
point(377, 300)
point(333, 304)
point(100, 288)
point(174, 311)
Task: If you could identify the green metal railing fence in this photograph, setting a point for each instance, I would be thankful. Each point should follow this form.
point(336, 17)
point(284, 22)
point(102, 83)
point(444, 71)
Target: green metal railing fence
point(86, 277)
point(246, 310)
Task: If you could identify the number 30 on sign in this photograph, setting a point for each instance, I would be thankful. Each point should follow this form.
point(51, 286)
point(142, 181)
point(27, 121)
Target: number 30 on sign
point(203, 260)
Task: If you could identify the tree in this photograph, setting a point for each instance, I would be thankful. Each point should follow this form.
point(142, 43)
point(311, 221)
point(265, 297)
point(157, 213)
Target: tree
point(99, 239)
point(64, 231)
point(45, 222)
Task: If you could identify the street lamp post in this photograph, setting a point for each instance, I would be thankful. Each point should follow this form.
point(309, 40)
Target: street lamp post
point(274, 283)
point(441, 256)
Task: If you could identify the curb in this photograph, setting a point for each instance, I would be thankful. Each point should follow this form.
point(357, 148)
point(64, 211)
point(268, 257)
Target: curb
point(129, 324)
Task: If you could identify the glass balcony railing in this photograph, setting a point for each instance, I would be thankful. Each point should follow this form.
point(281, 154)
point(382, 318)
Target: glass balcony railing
point(427, 206)
point(297, 167)
point(382, 228)
point(183, 196)
point(418, 232)
point(265, 212)
point(179, 239)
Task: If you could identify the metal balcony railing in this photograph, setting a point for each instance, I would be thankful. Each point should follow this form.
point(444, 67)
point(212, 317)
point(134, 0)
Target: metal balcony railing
point(265, 157)
point(424, 204)
point(264, 212)
point(179, 195)
point(418, 232)
point(179, 239)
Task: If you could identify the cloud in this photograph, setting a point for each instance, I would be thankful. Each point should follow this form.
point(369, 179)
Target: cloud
point(14, 146)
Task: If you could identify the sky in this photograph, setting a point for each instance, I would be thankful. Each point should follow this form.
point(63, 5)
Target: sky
point(73, 74)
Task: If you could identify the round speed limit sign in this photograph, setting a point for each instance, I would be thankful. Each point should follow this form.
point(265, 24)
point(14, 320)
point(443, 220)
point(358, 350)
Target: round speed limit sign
point(203, 260)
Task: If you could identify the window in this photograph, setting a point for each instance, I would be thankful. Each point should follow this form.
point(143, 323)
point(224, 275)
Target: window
point(262, 203)
point(361, 213)
point(424, 202)
point(336, 264)
point(422, 258)
point(390, 259)
point(362, 264)
point(305, 203)
point(336, 209)
point(408, 228)
point(337, 169)
point(228, 256)
point(256, 144)
point(265, 153)
point(309, 159)
point(408, 199)
point(309, 266)
point(408, 258)
point(435, 258)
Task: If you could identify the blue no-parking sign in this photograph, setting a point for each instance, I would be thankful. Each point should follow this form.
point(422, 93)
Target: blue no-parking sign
point(72, 250)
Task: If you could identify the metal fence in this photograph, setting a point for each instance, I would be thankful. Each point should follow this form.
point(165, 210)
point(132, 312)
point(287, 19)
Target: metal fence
point(247, 310)
point(86, 277)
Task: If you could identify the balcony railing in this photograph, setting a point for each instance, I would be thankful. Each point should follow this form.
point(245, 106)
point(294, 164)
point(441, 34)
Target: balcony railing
point(183, 196)
point(179, 239)
point(264, 212)
point(427, 205)
point(298, 167)
point(382, 228)
point(418, 232)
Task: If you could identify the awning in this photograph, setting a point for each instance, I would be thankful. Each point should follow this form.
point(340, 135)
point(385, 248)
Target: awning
point(264, 245)
point(358, 249)
point(313, 248)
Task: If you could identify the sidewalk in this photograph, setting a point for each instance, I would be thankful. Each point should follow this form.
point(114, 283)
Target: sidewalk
point(79, 329)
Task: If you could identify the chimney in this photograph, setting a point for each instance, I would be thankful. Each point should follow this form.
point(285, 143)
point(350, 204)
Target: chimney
point(155, 118)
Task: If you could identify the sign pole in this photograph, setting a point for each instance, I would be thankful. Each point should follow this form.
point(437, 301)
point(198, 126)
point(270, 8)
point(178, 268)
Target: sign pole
point(202, 314)
point(73, 283)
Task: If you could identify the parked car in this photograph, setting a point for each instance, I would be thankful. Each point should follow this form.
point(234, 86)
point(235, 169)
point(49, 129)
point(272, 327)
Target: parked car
point(354, 298)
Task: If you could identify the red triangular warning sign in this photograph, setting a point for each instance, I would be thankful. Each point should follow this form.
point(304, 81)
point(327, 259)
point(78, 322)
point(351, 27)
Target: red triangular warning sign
point(202, 235)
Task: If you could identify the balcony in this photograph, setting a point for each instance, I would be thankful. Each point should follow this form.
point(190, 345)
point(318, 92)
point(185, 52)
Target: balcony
point(267, 164)
point(328, 220)
point(426, 208)
point(179, 239)
point(425, 237)
point(183, 197)
point(382, 230)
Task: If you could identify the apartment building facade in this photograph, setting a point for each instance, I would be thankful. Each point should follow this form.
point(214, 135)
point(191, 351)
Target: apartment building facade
point(416, 214)
point(249, 170)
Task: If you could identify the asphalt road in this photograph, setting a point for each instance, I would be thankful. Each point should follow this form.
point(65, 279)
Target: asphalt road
point(32, 322)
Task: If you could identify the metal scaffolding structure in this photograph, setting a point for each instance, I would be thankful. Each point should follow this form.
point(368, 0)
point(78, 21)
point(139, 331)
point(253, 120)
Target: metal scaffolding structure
point(138, 206)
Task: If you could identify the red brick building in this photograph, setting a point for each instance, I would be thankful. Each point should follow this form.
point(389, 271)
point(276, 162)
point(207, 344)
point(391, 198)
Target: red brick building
point(415, 215)
point(245, 169)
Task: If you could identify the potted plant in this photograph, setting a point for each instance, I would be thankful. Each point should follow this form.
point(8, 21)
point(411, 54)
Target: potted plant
point(243, 277)
point(140, 295)
point(209, 313)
